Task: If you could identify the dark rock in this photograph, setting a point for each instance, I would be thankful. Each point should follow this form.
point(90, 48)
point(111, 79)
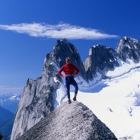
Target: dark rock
point(100, 59)
point(129, 48)
point(61, 50)
point(69, 122)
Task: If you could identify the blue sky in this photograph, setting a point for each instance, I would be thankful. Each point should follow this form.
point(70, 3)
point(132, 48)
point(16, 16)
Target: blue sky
point(30, 28)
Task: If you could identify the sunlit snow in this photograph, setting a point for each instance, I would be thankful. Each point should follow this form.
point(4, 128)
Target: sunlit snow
point(115, 100)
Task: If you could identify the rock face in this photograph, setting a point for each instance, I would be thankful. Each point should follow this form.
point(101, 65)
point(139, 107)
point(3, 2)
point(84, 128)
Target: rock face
point(69, 122)
point(129, 48)
point(38, 98)
point(61, 50)
point(36, 102)
point(100, 59)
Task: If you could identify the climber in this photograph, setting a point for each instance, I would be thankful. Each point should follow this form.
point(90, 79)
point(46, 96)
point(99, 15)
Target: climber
point(70, 71)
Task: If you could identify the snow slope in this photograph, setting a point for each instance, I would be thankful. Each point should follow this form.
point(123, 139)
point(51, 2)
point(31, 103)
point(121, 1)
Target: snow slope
point(115, 100)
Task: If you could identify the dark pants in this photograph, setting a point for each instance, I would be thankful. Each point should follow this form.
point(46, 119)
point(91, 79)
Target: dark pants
point(70, 81)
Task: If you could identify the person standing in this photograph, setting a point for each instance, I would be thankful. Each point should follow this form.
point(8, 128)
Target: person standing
point(70, 71)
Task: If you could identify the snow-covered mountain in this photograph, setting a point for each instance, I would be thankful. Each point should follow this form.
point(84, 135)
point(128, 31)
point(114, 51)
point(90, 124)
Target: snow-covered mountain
point(10, 101)
point(108, 84)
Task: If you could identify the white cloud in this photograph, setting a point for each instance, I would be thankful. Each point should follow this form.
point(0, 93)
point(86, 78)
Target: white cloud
point(60, 30)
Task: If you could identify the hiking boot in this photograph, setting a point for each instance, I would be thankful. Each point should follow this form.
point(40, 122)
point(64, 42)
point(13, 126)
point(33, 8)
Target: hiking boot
point(69, 101)
point(74, 99)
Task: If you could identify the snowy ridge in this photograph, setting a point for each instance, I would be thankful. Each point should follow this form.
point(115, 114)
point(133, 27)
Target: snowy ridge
point(124, 67)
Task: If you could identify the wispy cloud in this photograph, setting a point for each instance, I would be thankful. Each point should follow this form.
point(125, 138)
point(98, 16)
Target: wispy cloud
point(60, 30)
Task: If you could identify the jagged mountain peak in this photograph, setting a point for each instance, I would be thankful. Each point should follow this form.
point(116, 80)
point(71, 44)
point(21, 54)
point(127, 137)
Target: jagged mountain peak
point(61, 50)
point(126, 38)
point(65, 47)
point(100, 48)
point(56, 58)
point(128, 42)
point(63, 44)
point(64, 40)
point(129, 48)
point(98, 45)
point(100, 59)
point(39, 96)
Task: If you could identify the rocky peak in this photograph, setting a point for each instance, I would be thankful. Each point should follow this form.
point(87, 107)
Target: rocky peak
point(61, 50)
point(100, 59)
point(39, 96)
point(129, 48)
point(36, 102)
point(70, 122)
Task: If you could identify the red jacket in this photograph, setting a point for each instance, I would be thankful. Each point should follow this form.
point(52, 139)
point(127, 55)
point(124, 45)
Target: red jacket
point(68, 69)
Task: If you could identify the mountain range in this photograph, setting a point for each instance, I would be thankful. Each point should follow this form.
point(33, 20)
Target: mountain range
point(105, 83)
point(6, 122)
point(8, 107)
point(9, 101)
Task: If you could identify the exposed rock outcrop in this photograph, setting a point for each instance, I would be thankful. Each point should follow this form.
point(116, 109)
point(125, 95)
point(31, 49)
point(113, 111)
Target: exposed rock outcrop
point(36, 102)
point(38, 98)
point(61, 50)
point(69, 122)
point(129, 48)
point(100, 59)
